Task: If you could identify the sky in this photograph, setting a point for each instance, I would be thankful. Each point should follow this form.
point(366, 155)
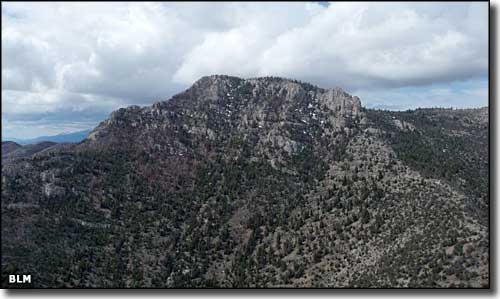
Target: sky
point(66, 66)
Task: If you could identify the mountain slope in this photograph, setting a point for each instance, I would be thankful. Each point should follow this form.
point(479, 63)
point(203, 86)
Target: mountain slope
point(9, 146)
point(263, 182)
point(18, 151)
point(446, 144)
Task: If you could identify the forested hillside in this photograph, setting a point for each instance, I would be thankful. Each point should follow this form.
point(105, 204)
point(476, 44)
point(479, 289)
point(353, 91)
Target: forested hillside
point(264, 182)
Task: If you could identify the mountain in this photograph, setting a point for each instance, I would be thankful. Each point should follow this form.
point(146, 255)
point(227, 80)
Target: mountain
point(263, 182)
point(14, 150)
point(73, 137)
point(9, 146)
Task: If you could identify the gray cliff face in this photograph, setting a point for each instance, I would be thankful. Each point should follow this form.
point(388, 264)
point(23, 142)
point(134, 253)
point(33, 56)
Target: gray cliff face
point(222, 103)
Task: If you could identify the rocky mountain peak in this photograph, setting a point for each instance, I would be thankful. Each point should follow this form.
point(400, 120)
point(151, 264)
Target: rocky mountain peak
point(222, 85)
point(220, 102)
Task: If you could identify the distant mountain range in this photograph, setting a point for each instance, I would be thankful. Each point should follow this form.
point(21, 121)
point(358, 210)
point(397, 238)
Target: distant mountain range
point(59, 138)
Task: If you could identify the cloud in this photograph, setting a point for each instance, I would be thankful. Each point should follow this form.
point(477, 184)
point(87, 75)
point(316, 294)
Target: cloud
point(63, 57)
point(382, 45)
point(467, 94)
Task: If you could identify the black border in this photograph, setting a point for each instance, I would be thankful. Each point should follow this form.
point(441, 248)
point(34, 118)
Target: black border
point(459, 292)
